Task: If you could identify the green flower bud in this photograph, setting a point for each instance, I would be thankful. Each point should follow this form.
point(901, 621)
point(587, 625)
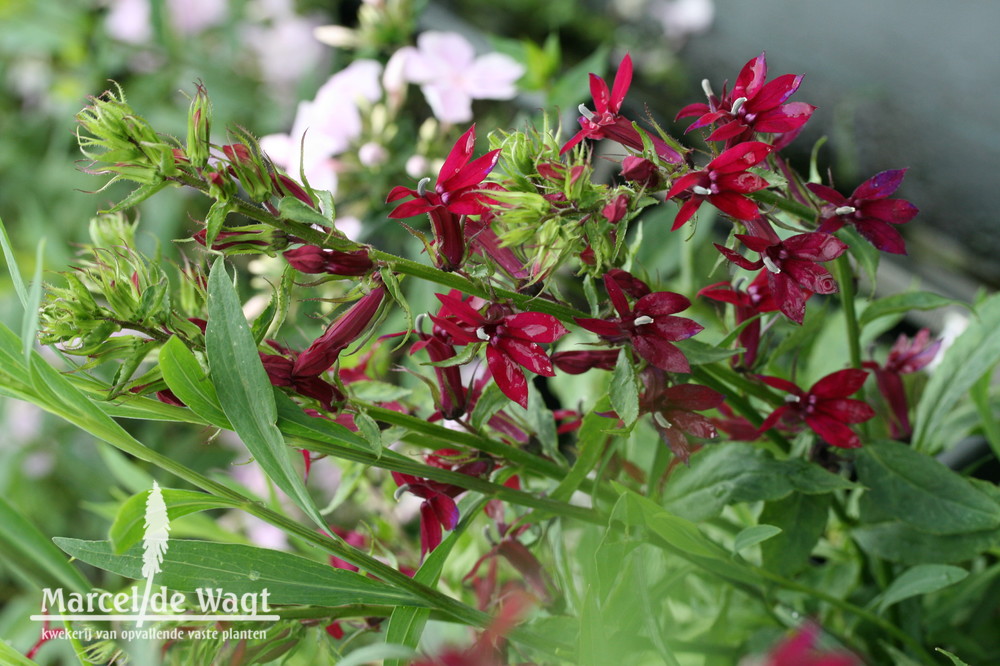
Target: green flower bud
point(199, 128)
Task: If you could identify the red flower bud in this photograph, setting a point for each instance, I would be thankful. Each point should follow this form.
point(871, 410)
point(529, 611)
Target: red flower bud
point(313, 259)
point(322, 353)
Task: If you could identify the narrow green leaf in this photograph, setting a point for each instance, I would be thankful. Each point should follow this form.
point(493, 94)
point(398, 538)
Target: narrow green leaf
point(215, 218)
point(240, 569)
point(490, 402)
point(963, 363)
point(954, 658)
point(15, 273)
point(391, 283)
point(902, 303)
point(897, 541)
point(699, 353)
point(188, 381)
point(865, 254)
point(137, 196)
point(803, 518)
point(920, 491)
point(921, 579)
point(245, 392)
point(980, 394)
point(370, 431)
point(624, 391)
point(293, 209)
point(29, 324)
point(12, 657)
point(461, 358)
point(753, 535)
point(591, 438)
point(127, 528)
point(27, 550)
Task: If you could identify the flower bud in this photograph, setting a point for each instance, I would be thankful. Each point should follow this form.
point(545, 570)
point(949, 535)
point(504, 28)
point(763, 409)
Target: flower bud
point(248, 164)
point(313, 259)
point(323, 352)
point(199, 128)
point(641, 171)
point(242, 240)
point(615, 210)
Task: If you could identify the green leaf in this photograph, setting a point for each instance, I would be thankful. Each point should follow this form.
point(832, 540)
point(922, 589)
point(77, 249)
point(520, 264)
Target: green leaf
point(127, 528)
point(379, 652)
point(30, 552)
point(370, 431)
point(739, 472)
point(964, 362)
point(137, 196)
point(461, 358)
point(490, 402)
point(699, 353)
point(803, 519)
point(897, 541)
point(920, 491)
point(215, 218)
point(954, 659)
point(624, 391)
point(406, 622)
point(29, 325)
point(185, 377)
point(298, 211)
point(12, 657)
point(865, 254)
point(902, 303)
point(372, 391)
point(753, 535)
point(391, 283)
point(15, 273)
point(921, 579)
point(244, 391)
point(290, 579)
point(590, 441)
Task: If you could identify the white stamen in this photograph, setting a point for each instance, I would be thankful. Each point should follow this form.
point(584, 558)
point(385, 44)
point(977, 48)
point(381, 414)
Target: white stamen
point(771, 266)
point(643, 320)
point(585, 112)
point(482, 334)
point(422, 186)
point(661, 420)
point(702, 191)
point(706, 85)
point(844, 210)
point(399, 491)
point(737, 105)
point(792, 398)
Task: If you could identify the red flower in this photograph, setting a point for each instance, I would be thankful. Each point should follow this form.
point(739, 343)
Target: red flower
point(755, 300)
point(458, 192)
point(315, 259)
point(869, 210)
point(799, 649)
point(438, 508)
point(674, 411)
point(905, 357)
point(453, 394)
point(793, 271)
point(649, 327)
point(751, 107)
point(323, 352)
point(579, 362)
point(641, 171)
point(512, 340)
point(722, 183)
point(606, 122)
point(825, 408)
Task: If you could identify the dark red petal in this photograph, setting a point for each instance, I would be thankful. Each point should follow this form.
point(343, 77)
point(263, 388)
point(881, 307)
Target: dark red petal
point(577, 138)
point(709, 119)
point(661, 303)
point(774, 93)
point(847, 410)
point(617, 296)
point(411, 209)
point(815, 246)
point(676, 328)
point(691, 423)
point(458, 334)
point(660, 353)
point(810, 275)
point(786, 118)
point(445, 509)
point(735, 257)
point(472, 173)
point(602, 327)
point(527, 354)
point(882, 235)
point(599, 91)
point(735, 205)
point(697, 109)
point(458, 157)
point(781, 384)
point(725, 292)
point(430, 529)
point(740, 157)
point(623, 79)
point(509, 378)
point(685, 182)
point(693, 397)
point(728, 130)
point(827, 194)
point(880, 185)
point(772, 418)
point(399, 192)
point(839, 384)
point(535, 326)
point(452, 305)
point(751, 78)
point(833, 431)
point(788, 295)
point(742, 182)
point(755, 243)
point(894, 211)
point(687, 209)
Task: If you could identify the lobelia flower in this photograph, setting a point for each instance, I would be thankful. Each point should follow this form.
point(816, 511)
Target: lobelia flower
point(674, 410)
point(751, 107)
point(641, 171)
point(869, 210)
point(649, 327)
point(793, 271)
point(755, 300)
point(579, 362)
point(314, 259)
point(445, 66)
point(723, 183)
point(438, 510)
point(799, 649)
point(512, 340)
point(825, 408)
point(323, 352)
point(453, 394)
point(606, 122)
point(458, 192)
point(906, 356)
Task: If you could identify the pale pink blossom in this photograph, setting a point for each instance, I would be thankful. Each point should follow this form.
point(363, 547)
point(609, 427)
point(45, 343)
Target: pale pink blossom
point(131, 20)
point(681, 18)
point(445, 66)
point(285, 49)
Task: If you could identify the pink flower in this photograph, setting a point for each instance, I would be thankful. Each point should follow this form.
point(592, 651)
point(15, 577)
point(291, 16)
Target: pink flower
point(675, 408)
point(869, 210)
point(755, 300)
point(906, 356)
point(799, 649)
point(723, 183)
point(445, 66)
point(606, 121)
point(649, 327)
point(825, 407)
point(752, 107)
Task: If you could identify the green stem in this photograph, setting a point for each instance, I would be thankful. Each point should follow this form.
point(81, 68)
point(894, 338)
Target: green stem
point(770, 198)
point(845, 278)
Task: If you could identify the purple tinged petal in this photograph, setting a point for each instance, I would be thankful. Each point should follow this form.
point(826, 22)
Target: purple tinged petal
point(616, 295)
point(472, 173)
point(535, 326)
point(894, 211)
point(788, 295)
point(693, 397)
point(691, 423)
point(660, 353)
point(810, 275)
point(846, 410)
point(606, 329)
point(814, 246)
point(786, 118)
point(827, 194)
point(508, 377)
point(661, 303)
point(430, 529)
point(774, 93)
point(445, 510)
point(833, 431)
point(839, 384)
point(882, 235)
point(676, 328)
point(880, 185)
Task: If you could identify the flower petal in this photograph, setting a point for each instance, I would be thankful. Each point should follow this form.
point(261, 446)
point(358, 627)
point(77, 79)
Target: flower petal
point(527, 354)
point(880, 185)
point(833, 431)
point(602, 327)
point(660, 353)
point(535, 326)
point(661, 303)
point(839, 384)
point(509, 378)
